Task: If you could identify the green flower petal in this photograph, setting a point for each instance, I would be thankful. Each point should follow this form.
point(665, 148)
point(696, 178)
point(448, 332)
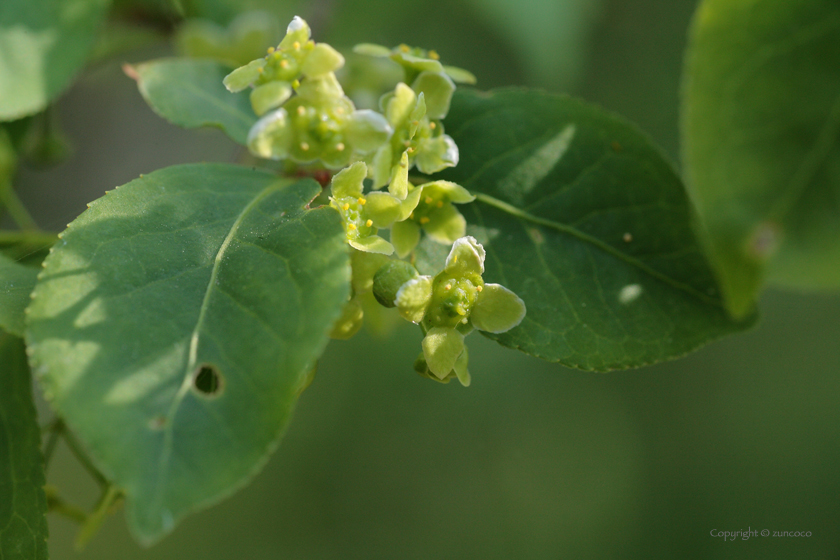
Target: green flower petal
point(349, 182)
point(401, 105)
point(270, 96)
point(372, 244)
point(244, 76)
point(370, 49)
point(364, 266)
point(497, 309)
point(297, 32)
point(417, 113)
point(380, 171)
point(436, 154)
point(367, 130)
point(321, 89)
point(449, 190)
point(465, 257)
point(321, 60)
point(399, 178)
point(437, 89)
point(413, 298)
point(271, 136)
point(417, 63)
point(441, 348)
point(404, 237)
point(446, 225)
point(459, 75)
point(382, 208)
point(408, 205)
point(461, 370)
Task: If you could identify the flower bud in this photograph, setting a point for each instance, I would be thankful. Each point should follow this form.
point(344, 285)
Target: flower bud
point(389, 279)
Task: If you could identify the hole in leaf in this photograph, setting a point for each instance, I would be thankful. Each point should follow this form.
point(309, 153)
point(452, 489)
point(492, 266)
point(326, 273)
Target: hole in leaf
point(208, 380)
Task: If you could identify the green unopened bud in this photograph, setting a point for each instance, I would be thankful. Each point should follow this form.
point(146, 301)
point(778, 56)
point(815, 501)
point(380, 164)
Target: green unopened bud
point(389, 279)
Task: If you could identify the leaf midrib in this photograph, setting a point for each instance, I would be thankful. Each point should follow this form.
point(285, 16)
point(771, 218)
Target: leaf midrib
point(166, 452)
point(586, 238)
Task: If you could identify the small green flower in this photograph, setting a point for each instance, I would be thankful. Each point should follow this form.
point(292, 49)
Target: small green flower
point(273, 76)
point(415, 61)
point(435, 215)
point(453, 303)
point(319, 123)
point(416, 138)
point(364, 215)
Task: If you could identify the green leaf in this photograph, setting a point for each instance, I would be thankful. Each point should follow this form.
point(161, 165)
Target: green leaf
point(43, 44)
point(174, 323)
point(583, 219)
point(761, 124)
point(16, 283)
point(189, 93)
point(23, 525)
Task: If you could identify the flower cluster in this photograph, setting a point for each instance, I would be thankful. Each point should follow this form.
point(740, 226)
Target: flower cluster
point(306, 117)
point(449, 306)
point(319, 122)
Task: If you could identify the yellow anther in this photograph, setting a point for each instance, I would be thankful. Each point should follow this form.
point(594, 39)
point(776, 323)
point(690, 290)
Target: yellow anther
point(301, 110)
point(362, 200)
point(424, 220)
point(404, 48)
point(369, 223)
point(271, 50)
point(433, 55)
point(415, 123)
point(454, 259)
point(447, 287)
point(429, 200)
point(351, 226)
point(340, 146)
point(432, 125)
point(479, 288)
point(295, 84)
point(284, 63)
point(304, 146)
point(339, 110)
point(296, 45)
point(260, 70)
point(410, 150)
point(346, 206)
point(439, 204)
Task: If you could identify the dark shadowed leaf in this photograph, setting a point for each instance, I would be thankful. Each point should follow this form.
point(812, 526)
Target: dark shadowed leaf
point(583, 219)
point(23, 525)
point(189, 92)
point(174, 323)
point(761, 124)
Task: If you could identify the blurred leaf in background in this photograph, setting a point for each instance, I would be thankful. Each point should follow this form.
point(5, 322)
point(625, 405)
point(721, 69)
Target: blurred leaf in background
point(550, 37)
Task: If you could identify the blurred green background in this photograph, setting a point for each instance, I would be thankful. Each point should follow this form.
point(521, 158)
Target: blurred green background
point(533, 460)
